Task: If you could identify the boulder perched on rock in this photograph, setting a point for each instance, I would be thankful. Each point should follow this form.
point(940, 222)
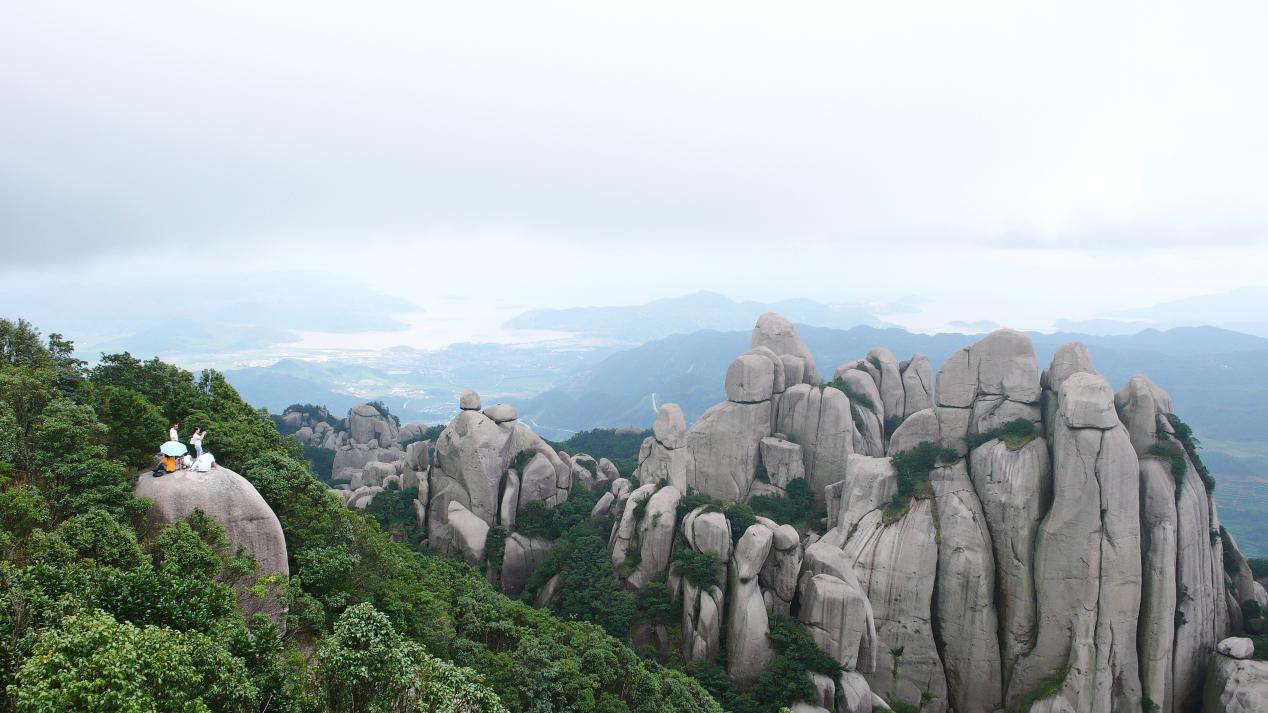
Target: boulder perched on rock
point(1235, 685)
point(750, 379)
point(479, 460)
point(663, 456)
point(780, 336)
point(248, 520)
point(501, 413)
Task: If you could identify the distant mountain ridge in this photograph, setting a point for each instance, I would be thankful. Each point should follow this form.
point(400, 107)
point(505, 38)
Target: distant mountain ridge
point(1220, 376)
point(686, 314)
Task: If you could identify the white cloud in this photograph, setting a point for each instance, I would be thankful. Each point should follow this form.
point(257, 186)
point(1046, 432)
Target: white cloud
point(555, 153)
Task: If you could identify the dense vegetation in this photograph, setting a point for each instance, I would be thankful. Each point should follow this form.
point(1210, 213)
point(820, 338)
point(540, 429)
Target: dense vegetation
point(103, 612)
point(1015, 434)
point(913, 467)
point(619, 445)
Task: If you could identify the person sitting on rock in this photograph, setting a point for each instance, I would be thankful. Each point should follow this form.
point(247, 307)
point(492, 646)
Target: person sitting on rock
point(166, 464)
point(205, 462)
point(187, 462)
point(196, 440)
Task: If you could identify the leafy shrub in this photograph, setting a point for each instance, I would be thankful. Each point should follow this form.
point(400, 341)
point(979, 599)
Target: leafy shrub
point(1030, 698)
point(891, 424)
point(495, 547)
point(795, 508)
point(93, 662)
point(702, 569)
point(741, 517)
point(321, 460)
point(1258, 566)
point(522, 459)
point(1015, 434)
point(855, 398)
point(694, 499)
point(619, 445)
point(912, 467)
point(1184, 434)
point(1174, 454)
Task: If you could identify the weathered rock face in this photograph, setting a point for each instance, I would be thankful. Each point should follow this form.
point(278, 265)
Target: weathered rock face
point(476, 462)
point(986, 385)
point(917, 385)
point(750, 379)
point(819, 421)
point(701, 622)
point(722, 449)
point(366, 423)
point(869, 420)
point(1182, 562)
point(522, 556)
point(704, 532)
point(645, 533)
point(1013, 487)
point(663, 457)
point(465, 534)
point(782, 463)
point(748, 651)
point(838, 614)
point(889, 382)
point(1236, 686)
point(919, 427)
point(248, 520)
point(894, 564)
point(965, 594)
point(778, 577)
point(1091, 535)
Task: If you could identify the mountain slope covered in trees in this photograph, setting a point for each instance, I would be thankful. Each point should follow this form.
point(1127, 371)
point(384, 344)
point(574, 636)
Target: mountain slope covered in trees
point(102, 612)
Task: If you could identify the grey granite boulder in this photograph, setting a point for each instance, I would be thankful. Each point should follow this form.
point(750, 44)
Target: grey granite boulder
point(248, 520)
point(818, 420)
point(1236, 686)
point(917, 385)
point(748, 650)
point(722, 445)
point(501, 413)
point(780, 336)
point(750, 379)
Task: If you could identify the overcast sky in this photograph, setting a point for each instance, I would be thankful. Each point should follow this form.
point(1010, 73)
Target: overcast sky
point(1003, 160)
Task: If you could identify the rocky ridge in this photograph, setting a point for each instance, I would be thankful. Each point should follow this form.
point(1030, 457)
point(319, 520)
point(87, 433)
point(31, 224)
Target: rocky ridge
point(1000, 539)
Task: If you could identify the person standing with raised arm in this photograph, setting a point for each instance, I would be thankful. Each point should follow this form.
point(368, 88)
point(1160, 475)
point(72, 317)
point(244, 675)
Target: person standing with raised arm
point(196, 440)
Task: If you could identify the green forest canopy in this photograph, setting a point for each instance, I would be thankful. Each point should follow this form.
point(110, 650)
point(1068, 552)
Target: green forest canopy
point(102, 613)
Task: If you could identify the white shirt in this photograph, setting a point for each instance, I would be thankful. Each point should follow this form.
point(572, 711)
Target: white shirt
point(204, 463)
point(196, 438)
point(172, 435)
